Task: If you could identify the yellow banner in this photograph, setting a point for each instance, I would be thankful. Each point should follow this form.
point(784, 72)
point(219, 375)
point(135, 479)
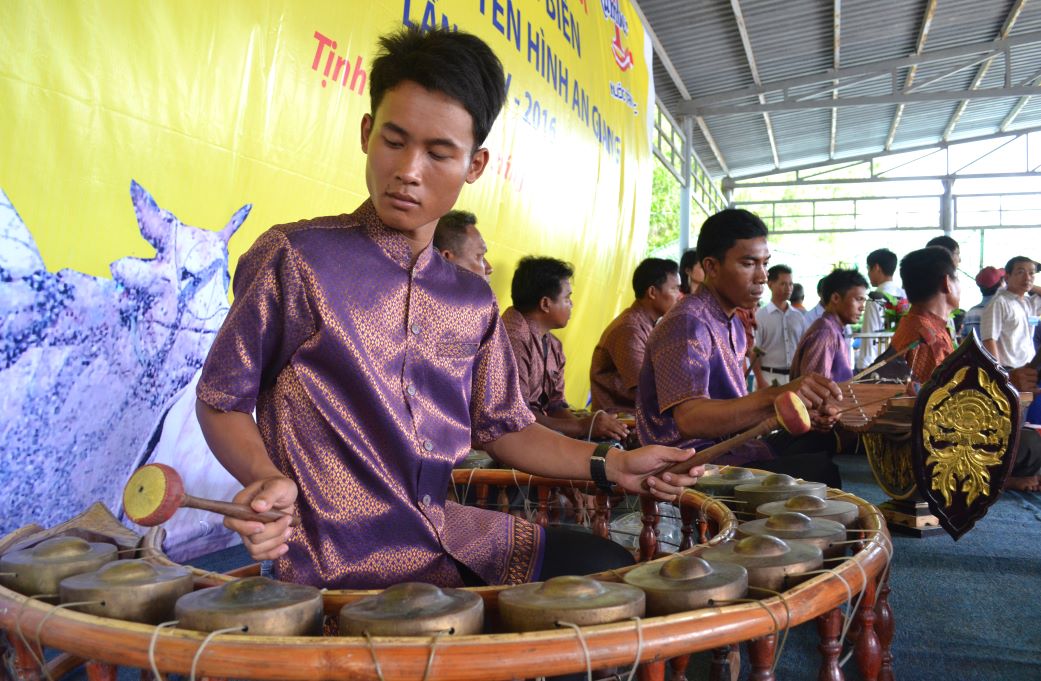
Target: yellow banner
point(210, 106)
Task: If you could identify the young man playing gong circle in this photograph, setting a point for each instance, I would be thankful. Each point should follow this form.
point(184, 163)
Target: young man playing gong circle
point(374, 364)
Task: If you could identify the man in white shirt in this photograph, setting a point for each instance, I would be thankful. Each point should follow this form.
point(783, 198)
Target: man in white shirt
point(1005, 324)
point(815, 313)
point(881, 268)
point(778, 327)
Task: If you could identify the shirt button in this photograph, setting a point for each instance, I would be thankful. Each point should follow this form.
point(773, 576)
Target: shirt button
point(411, 390)
point(415, 329)
point(428, 445)
point(426, 500)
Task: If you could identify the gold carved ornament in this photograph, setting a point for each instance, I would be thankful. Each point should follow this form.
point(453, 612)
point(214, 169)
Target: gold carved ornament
point(966, 433)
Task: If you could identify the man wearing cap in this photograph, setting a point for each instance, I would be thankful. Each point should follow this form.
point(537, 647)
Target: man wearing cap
point(989, 280)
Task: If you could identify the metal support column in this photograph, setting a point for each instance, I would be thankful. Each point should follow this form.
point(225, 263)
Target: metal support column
point(685, 196)
point(947, 217)
point(727, 187)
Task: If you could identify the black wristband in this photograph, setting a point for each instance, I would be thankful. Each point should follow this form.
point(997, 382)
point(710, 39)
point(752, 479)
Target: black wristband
point(598, 466)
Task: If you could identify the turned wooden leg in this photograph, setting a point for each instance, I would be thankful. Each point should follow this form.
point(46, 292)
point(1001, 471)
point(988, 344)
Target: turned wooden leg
point(602, 516)
point(868, 650)
point(687, 516)
point(885, 627)
point(649, 533)
point(720, 663)
point(652, 671)
point(542, 510)
point(679, 667)
point(829, 626)
point(101, 671)
point(761, 658)
point(25, 666)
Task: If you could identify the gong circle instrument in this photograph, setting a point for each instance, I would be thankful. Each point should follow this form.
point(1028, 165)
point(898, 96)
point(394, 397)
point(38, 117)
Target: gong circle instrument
point(776, 487)
point(414, 609)
point(798, 528)
point(260, 606)
point(492, 656)
point(578, 600)
point(815, 507)
point(722, 483)
point(39, 570)
point(770, 561)
point(133, 590)
point(154, 493)
point(688, 582)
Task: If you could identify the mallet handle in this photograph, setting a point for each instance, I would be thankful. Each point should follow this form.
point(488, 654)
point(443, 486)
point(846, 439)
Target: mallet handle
point(240, 511)
point(710, 454)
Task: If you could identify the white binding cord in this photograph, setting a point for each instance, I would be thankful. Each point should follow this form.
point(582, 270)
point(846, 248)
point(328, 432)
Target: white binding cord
point(38, 659)
point(592, 422)
point(206, 642)
point(151, 647)
point(433, 646)
point(372, 651)
point(639, 648)
point(585, 648)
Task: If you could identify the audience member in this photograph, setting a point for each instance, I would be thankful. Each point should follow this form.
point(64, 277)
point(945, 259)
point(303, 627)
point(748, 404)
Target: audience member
point(1005, 322)
point(691, 274)
point(823, 349)
point(881, 268)
point(988, 280)
point(944, 241)
point(815, 313)
point(541, 293)
point(692, 386)
point(615, 368)
point(798, 297)
point(456, 238)
point(778, 327)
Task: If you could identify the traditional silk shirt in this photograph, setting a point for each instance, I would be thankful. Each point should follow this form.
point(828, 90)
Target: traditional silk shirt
point(935, 346)
point(371, 377)
point(823, 350)
point(695, 351)
point(540, 363)
point(614, 371)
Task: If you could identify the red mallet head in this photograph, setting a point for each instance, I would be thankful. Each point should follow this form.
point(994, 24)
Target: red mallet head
point(791, 413)
point(152, 495)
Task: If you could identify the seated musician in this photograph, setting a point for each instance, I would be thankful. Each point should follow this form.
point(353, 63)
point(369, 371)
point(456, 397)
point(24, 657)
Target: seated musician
point(373, 363)
point(615, 368)
point(823, 349)
point(457, 240)
point(692, 388)
point(931, 282)
point(541, 293)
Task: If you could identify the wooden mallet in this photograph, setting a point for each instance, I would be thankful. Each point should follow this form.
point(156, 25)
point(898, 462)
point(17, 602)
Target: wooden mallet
point(789, 413)
point(154, 492)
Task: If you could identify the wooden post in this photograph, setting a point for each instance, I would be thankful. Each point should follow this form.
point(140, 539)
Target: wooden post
point(720, 663)
point(25, 666)
point(867, 648)
point(761, 658)
point(649, 533)
point(602, 517)
point(687, 514)
point(101, 671)
point(679, 667)
point(652, 671)
point(885, 627)
point(829, 626)
point(542, 511)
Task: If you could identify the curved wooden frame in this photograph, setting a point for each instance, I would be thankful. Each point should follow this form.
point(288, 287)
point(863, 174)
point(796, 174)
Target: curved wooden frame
point(488, 656)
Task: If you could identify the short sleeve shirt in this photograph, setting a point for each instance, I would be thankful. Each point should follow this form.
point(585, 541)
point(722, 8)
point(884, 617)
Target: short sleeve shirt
point(777, 334)
point(1006, 321)
point(936, 342)
point(371, 377)
point(614, 371)
point(695, 351)
point(823, 350)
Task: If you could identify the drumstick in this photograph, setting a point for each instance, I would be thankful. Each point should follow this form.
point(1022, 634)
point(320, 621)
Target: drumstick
point(789, 412)
point(878, 365)
point(154, 492)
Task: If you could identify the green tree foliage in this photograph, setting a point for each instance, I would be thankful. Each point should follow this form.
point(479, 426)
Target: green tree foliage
point(665, 209)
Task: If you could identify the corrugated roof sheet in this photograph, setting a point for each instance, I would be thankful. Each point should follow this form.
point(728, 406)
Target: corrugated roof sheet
point(794, 38)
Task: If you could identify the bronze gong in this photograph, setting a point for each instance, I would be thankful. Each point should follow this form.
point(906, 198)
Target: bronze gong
point(684, 583)
point(776, 487)
point(722, 484)
point(262, 606)
point(770, 561)
point(815, 507)
point(414, 609)
point(796, 527)
point(132, 590)
point(578, 600)
point(39, 570)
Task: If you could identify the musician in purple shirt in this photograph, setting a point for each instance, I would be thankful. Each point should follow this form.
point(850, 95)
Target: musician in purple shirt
point(692, 389)
point(823, 348)
point(374, 364)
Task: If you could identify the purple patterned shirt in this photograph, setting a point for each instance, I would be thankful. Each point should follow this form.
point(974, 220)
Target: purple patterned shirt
point(823, 350)
point(371, 378)
point(694, 351)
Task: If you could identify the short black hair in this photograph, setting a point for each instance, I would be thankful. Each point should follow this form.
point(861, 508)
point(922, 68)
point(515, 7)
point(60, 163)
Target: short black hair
point(652, 272)
point(841, 281)
point(798, 294)
point(885, 259)
point(721, 231)
point(1011, 264)
point(943, 241)
point(688, 260)
point(454, 63)
point(536, 278)
point(775, 272)
point(924, 271)
point(450, 232)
